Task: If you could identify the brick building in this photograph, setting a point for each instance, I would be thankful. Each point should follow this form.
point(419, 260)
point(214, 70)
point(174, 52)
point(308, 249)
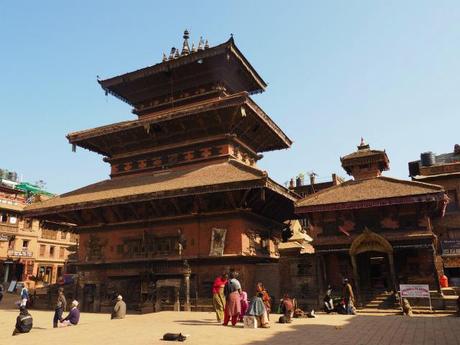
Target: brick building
point(444, 170)
point(375, 230)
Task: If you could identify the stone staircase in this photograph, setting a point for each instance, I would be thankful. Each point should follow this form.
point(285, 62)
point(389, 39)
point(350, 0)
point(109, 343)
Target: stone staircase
point(379, 302)
point(387, 303)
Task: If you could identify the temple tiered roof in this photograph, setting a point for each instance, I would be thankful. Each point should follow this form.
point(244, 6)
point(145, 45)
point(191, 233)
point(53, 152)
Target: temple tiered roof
point(237, 113)
point(186, 75)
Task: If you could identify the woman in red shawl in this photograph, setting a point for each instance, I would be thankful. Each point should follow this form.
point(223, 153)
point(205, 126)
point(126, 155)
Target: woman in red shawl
point(218, 297)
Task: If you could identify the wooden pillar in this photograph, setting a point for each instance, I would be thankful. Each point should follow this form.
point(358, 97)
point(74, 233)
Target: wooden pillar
point(97, 298)
point(158, 300)
point(356, 279)
point(391, 262)
point(319, 278)
point(436, 273)
point(7, 272)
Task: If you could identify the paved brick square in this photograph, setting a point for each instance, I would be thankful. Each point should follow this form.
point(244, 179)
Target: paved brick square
point(203, 330)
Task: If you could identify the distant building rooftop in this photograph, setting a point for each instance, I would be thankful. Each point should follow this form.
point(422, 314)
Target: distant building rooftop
point(431, 166)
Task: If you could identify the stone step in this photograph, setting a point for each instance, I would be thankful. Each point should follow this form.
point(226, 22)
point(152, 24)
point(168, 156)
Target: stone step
point(379, 311)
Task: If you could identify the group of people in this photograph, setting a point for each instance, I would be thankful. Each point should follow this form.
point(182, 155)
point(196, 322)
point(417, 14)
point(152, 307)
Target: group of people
point(346, 305)
point(24, 321)
point(231, 303)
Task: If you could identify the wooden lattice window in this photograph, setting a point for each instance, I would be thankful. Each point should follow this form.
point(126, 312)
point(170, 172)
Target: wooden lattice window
point(42, 249)
point(49, 234)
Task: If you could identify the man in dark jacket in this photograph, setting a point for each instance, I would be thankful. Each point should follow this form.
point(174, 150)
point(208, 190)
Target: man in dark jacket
point(24, 322)
point(60, 307)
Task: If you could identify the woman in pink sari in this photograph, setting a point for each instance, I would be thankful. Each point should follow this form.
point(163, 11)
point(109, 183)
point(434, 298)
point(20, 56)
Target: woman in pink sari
point(244, 304)
point(233, 303)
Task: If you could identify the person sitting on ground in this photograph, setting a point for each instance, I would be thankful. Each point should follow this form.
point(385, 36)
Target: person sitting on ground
point(257, 309)
point(328, 302)
point(74, 316)
point(119, 310)
point(287, 309)
point(266, 297)
point(24, 322)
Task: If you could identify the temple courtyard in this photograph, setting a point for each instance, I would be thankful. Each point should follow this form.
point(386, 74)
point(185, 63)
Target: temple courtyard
point(149, 328)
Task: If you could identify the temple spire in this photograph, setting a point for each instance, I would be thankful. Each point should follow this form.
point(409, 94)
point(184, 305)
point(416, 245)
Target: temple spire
point(206, 45)
point(185, 46)
point(171, 55)
point(362, 145)
point(200, 43)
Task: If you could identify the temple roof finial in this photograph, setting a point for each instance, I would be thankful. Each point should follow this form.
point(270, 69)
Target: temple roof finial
point(193, 48)
point(171, 55)
point(363, 145)
point(206, 45)
point(201, 43)
point(185, 46)
point(176, 55)
point(165, 58)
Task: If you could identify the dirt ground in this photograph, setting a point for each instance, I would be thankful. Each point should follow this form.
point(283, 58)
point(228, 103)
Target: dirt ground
point(204, 330)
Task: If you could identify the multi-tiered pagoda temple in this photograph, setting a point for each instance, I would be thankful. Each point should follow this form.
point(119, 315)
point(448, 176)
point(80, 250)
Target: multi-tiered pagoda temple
point(184, 182)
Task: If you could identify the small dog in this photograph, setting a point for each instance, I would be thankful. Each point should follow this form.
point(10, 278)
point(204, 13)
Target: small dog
point(407, 309)
point(284, 319)
point(299, 313)
point(174, 337)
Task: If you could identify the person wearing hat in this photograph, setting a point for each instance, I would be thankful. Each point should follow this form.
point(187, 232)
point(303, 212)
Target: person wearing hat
point(24, 322)
point(119, 310)
point(73, 317)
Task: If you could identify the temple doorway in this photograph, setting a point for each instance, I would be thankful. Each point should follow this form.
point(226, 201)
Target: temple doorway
point(374, 271)
point(373, 264)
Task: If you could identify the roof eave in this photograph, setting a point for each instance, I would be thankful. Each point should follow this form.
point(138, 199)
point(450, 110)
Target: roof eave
point(369, 203)
point(255, 183)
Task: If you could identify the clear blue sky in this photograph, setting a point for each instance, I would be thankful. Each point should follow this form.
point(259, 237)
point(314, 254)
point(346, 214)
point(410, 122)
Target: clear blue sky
point(337, 70)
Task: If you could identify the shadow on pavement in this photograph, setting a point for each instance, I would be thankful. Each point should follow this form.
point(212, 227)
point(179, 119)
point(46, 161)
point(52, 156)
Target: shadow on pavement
point(366, 330)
